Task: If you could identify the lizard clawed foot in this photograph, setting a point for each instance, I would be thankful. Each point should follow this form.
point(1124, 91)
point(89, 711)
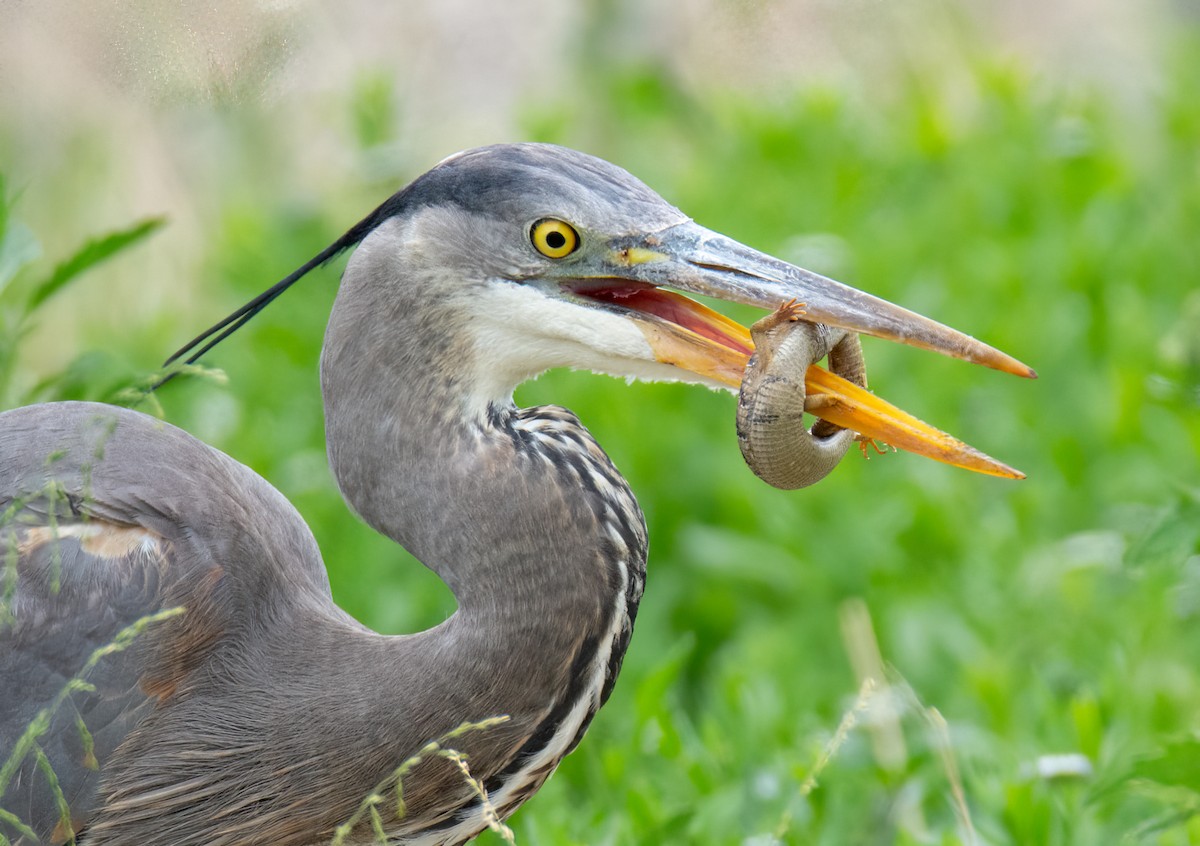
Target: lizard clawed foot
point(867, 444)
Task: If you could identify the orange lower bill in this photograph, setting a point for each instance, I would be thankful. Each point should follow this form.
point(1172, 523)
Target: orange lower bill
point(859, 410)
point(703, 341)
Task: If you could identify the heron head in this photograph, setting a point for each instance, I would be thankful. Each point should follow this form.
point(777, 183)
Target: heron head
point(534, 256)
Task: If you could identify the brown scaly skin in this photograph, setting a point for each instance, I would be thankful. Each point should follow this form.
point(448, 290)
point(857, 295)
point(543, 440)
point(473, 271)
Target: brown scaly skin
point(771, 404)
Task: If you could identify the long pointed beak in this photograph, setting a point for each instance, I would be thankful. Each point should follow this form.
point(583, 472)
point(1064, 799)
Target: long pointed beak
point(708, 263)
point(690, 258)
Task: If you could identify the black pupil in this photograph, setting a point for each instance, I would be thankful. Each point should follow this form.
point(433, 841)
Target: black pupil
point(556, 240)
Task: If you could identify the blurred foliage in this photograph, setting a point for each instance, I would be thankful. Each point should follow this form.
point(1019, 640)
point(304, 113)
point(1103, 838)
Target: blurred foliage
point(23, 295)
point(1060, 615)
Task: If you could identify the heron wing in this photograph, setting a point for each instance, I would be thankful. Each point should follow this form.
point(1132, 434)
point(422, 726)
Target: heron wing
point(78, 596)
point(109, 583)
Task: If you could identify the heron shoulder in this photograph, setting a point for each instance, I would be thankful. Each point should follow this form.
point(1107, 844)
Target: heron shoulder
point(117, 469)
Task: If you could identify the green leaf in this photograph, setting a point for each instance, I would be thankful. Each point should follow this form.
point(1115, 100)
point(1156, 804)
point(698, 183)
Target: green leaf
point(1172, 538)
point(89, 255)
point(1177, 764)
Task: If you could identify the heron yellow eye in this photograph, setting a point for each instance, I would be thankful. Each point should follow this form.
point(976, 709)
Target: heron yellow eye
point(554, 238)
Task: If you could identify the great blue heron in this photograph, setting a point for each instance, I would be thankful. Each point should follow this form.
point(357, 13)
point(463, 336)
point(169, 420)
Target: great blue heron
point(263, 713)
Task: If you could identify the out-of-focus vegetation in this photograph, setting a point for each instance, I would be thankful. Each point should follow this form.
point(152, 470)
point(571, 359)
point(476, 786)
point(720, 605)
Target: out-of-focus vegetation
point(1059, 616)
point(27, 294)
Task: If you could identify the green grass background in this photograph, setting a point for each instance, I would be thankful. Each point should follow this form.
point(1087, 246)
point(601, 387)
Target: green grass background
point(1056, 615)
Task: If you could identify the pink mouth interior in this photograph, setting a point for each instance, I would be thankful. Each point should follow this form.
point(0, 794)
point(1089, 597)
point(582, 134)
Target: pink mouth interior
point(665, 305)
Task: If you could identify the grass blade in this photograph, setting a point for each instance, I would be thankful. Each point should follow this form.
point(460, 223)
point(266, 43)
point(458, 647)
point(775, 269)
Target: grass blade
point(89, 255)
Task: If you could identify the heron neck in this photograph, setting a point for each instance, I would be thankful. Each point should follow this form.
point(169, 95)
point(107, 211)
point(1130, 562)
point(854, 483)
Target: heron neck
point(521, 513)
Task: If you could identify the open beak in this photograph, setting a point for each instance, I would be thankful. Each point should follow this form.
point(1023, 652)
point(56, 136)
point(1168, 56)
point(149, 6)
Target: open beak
point(682, 332)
